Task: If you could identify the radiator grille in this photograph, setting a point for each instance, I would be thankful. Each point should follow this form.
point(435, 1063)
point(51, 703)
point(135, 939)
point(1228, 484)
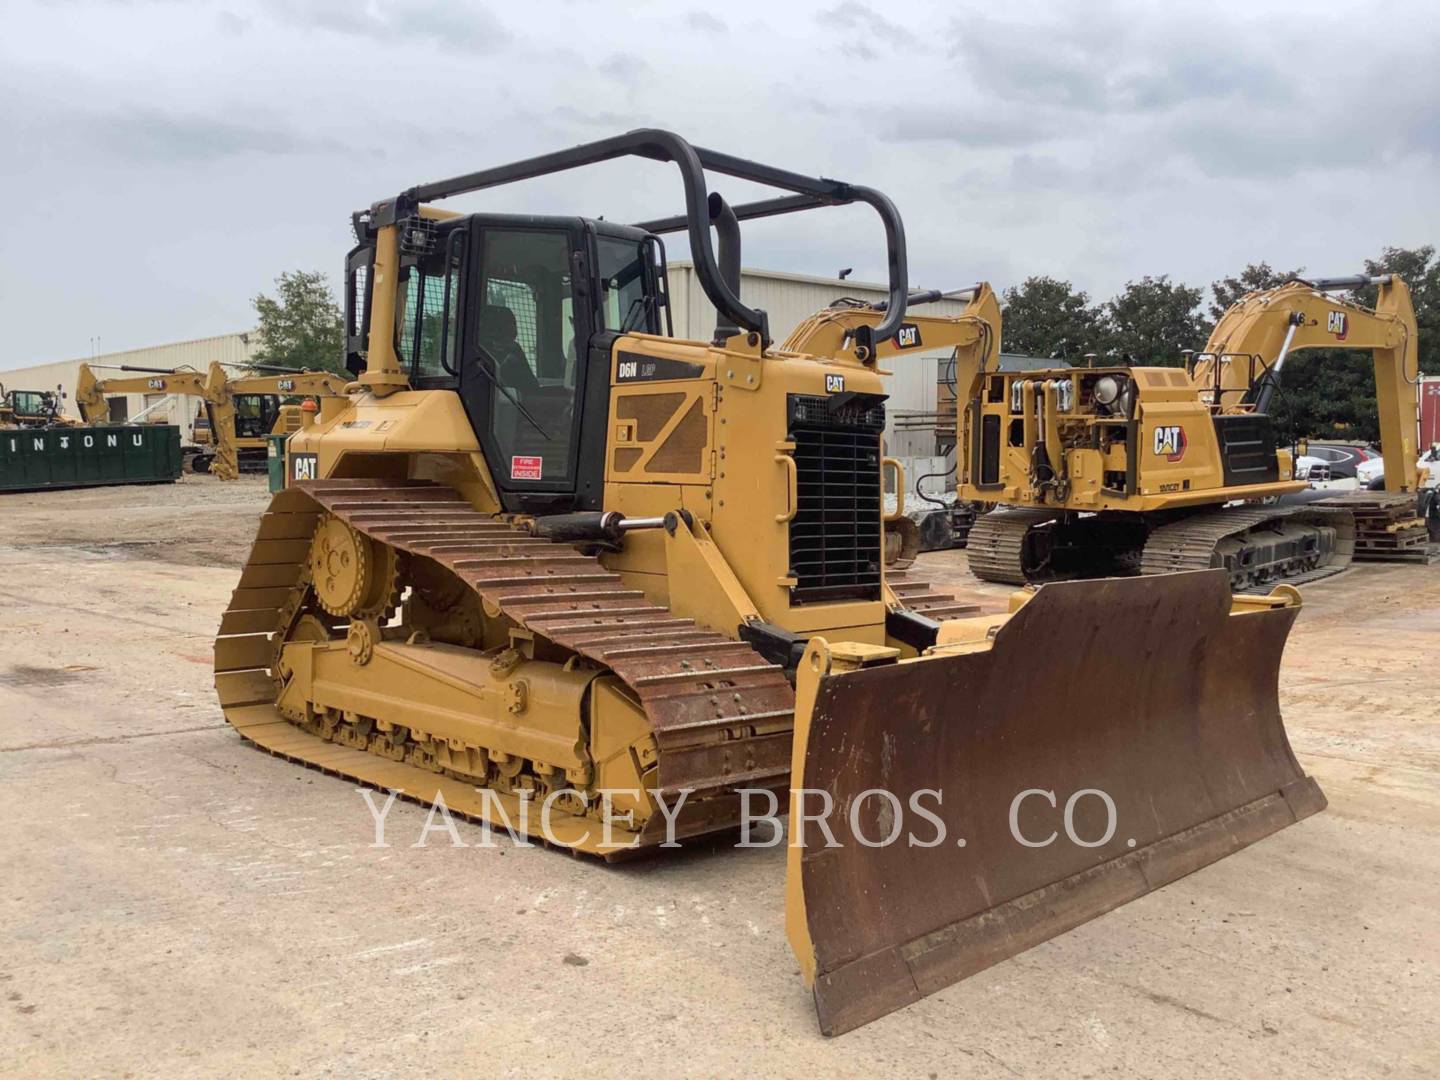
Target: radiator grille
point(835, 537)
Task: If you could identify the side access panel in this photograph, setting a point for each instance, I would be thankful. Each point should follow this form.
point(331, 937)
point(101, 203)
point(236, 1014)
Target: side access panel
point(1146, 689)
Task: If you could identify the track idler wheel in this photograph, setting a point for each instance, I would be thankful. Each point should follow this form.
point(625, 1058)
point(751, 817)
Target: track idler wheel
point(355, 577)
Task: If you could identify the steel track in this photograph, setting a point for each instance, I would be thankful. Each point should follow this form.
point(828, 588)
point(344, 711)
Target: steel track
point(721, 715)
point(1189, 544)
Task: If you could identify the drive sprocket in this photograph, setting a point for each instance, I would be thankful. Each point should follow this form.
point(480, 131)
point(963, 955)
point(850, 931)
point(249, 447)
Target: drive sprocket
point(355, 577)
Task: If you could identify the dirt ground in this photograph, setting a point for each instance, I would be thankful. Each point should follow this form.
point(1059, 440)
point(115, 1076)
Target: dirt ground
point(175, 903)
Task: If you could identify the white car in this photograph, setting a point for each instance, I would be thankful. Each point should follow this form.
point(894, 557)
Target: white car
point(1370, 470)
point(1431, 460)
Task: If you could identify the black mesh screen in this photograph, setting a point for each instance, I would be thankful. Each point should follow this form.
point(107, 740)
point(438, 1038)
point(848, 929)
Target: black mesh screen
point(835, 537)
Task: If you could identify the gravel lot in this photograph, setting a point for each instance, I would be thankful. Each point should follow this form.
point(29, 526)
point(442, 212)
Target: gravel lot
point(176, 903)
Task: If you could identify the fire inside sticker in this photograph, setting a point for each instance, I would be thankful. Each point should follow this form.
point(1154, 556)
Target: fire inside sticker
point(524, 467)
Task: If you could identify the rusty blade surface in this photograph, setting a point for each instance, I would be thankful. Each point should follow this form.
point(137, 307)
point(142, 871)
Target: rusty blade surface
point(1147, 689)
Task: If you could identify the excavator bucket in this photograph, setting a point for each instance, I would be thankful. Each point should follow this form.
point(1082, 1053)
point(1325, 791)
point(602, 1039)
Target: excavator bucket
point(1027, 774)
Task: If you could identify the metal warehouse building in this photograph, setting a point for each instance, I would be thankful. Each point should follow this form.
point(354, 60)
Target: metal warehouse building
point(232, 350)
point(788, 298)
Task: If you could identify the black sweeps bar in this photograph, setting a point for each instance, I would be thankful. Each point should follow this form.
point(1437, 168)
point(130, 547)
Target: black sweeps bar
point(806, 193)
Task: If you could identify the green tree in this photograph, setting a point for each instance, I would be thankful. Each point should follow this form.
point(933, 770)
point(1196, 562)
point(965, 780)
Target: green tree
point(302, 326)
point(1048, 318)
point(1152, 320)
point(1327, 394)
point(1255, 276)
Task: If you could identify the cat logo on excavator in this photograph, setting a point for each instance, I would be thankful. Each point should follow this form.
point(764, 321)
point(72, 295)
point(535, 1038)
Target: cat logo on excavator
point(907, 337)
point(1170, 441)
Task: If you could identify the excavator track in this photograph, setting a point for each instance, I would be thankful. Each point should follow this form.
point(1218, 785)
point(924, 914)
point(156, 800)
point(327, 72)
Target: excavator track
point(997, 542)
point(1190, 544)
point(721, 714)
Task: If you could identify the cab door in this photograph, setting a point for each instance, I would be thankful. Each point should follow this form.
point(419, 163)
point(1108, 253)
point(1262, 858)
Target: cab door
point(523, 374)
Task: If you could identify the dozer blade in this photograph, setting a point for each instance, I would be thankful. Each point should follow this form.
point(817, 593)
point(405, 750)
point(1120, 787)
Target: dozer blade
point(1157, 696)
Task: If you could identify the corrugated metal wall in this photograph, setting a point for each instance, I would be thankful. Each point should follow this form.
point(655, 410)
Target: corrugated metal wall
point(233, 350)
point(790, 298)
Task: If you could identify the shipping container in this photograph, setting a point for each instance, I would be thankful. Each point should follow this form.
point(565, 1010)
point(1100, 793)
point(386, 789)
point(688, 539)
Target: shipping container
point(1429, 411)
point(39, 459)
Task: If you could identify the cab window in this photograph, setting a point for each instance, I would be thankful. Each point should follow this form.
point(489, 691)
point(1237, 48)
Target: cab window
point(424, 323)
point(626, 301)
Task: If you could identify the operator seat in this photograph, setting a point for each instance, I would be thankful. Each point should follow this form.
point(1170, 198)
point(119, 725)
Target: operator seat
point(497, 337)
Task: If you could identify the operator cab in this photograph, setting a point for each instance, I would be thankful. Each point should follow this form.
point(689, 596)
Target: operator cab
point(518, 314)
point(255, 415)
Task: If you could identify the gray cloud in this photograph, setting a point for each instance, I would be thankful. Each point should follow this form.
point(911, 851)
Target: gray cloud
point(980, 128)
point(1097, 143)
point(624, 67)
point(232, 24)
point(854, 16)
point(451, 24)
point(1102, 58)
point(705, 22)
point(158, 135)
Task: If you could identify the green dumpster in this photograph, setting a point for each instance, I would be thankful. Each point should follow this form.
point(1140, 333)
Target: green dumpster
point(40, 459)
point(275, 461)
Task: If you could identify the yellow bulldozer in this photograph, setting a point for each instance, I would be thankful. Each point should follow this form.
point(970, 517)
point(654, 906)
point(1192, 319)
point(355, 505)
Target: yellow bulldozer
point(1124, 469)
point(568, 575)
point(239, 412)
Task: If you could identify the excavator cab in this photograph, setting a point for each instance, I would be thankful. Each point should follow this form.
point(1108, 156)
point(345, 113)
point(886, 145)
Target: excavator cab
point(255, 415)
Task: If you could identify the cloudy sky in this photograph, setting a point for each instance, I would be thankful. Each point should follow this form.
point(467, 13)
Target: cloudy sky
point(166, 159)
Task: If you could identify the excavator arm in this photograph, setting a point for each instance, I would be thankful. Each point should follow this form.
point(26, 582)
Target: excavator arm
point(292, 384)
point(1241, 365)
point(90, 391)
point(974, 334)
point(209, 386)
point(307, 384)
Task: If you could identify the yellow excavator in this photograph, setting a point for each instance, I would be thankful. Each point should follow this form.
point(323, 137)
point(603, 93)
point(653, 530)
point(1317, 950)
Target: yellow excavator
point(219, 457)
point(1139, 470)
point(555, 569)
point(261, 406)
point(239, 412)
point(1239, 372)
